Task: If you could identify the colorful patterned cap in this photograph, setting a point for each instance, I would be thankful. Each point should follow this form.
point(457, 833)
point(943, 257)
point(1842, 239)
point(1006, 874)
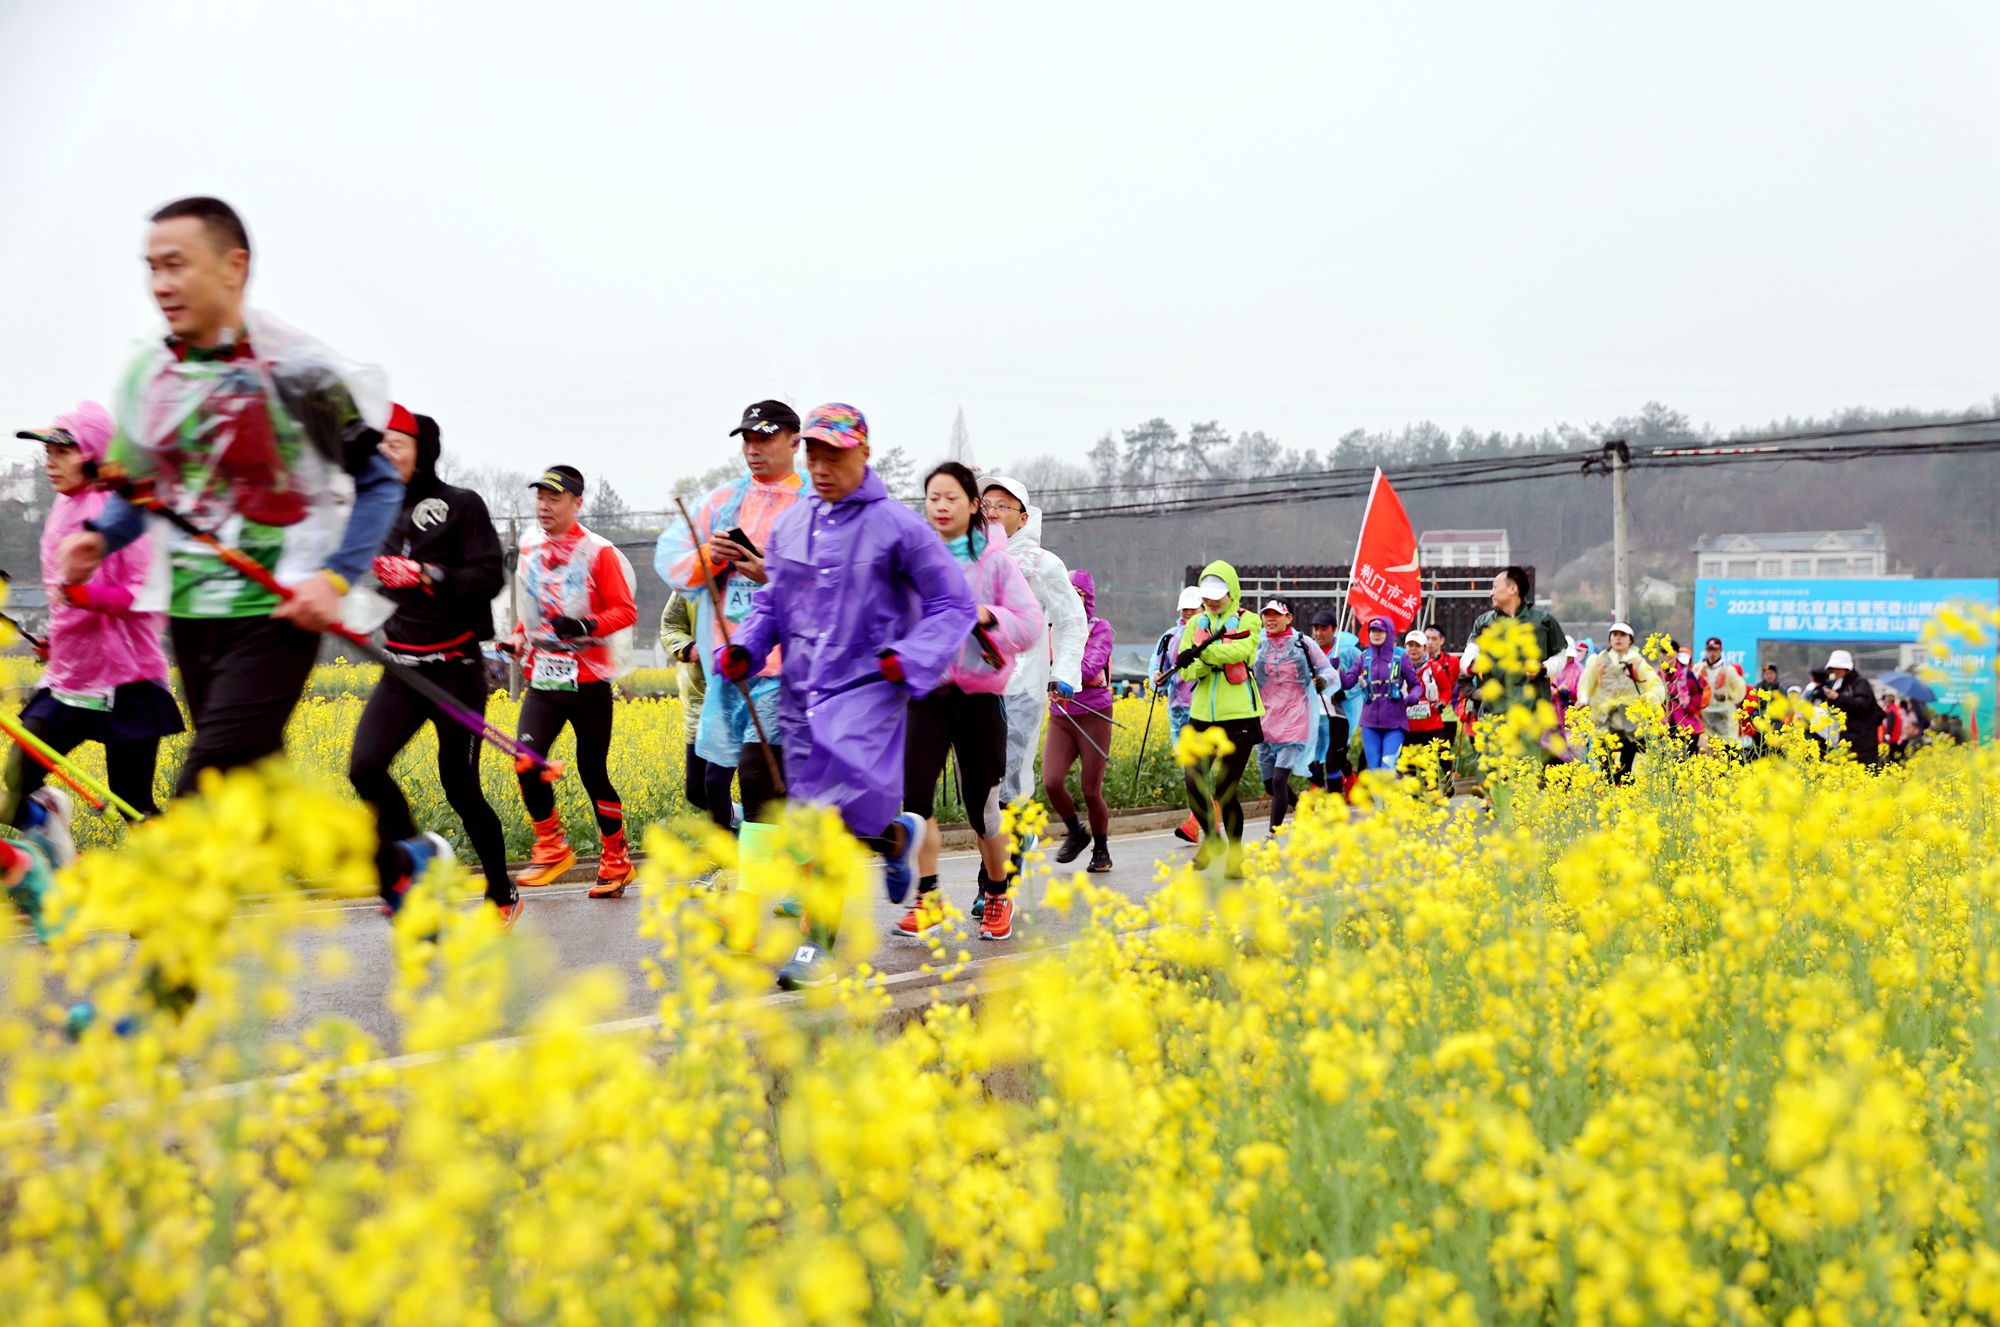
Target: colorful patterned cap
point(836, 425)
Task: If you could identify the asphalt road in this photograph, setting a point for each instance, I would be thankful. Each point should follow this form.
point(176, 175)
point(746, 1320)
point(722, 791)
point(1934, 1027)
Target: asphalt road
point(562, 931)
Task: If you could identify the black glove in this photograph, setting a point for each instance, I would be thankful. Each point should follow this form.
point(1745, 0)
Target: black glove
point(1187, 656)
point(570, 628)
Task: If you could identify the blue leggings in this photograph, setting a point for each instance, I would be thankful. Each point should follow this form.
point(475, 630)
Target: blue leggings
point(1381, 746)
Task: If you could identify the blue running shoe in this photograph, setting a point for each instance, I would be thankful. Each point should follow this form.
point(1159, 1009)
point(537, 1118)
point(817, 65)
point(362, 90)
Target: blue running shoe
point(900, 872)
point(809, 967)
point(422, 851)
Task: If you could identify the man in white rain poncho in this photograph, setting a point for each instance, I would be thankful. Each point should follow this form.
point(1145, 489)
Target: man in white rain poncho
point(1056, 658)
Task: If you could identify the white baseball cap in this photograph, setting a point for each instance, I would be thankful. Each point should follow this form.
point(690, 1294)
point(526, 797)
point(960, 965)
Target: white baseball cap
point(1840, 659)
point(1276, 606)
point(1190, 598)
point(1414, 638)
point(1013, 486)
point(1214, 587)
point(1625, 627)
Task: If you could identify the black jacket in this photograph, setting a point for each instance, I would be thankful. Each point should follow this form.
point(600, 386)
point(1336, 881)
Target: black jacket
point(448, 529)
point(1863, 732)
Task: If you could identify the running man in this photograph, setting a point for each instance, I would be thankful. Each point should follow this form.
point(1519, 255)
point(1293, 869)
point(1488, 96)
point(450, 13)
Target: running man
point(870, 609)
point(106, 679)
point(441, 568)
point(573, 616)
point(732, 528)
point(245, 426)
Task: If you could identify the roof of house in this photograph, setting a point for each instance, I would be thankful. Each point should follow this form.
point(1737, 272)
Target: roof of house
point(1461, 537)
point(1868, 539)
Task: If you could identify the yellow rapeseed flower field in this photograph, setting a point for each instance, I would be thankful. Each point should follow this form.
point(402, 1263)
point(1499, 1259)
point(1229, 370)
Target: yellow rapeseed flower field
point(1721, 1045)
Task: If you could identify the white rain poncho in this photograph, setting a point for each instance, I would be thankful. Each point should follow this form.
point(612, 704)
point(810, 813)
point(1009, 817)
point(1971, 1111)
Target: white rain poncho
point(1027, 698)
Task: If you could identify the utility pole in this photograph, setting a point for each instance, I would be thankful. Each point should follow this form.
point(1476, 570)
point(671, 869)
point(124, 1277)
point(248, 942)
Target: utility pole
point(1619, 457)
point(513, 559)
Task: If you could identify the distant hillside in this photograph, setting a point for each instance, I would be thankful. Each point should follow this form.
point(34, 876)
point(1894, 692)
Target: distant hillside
point(1937, 512)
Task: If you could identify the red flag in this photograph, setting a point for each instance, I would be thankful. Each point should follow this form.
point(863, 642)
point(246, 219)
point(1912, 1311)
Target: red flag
point(1385, 582)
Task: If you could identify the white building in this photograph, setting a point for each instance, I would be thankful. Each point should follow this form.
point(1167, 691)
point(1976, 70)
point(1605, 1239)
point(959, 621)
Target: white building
point(1793, 553)
point(1463, 548)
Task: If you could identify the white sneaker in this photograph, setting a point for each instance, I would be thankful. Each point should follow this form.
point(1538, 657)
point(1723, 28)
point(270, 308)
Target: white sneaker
point(53, 834)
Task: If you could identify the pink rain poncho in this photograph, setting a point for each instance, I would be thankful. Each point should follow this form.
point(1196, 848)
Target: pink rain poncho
point(1287, 662)
point(97, 642)
point(849, 580)
point(996, 583)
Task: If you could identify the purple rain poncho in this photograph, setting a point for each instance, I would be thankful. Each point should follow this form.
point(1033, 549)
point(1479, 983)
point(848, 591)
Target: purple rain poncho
point(848, 580)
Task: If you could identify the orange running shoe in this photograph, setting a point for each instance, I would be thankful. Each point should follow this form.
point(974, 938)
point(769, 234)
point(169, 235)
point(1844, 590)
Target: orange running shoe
point(551, 857)
point(614, 867)
point(996, 919)
point(925, 917)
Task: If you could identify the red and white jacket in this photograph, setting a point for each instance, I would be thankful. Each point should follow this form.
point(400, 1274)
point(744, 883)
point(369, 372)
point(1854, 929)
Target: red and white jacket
point(580, 575)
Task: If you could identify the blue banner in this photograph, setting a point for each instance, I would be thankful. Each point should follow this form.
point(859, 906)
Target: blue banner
point(1856, 612)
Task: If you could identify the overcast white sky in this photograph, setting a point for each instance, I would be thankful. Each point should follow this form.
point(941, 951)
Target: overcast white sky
point(595, 231)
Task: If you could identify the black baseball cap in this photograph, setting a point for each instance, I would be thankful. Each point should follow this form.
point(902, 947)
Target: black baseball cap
point(559, 479)
point(767, 417)
point(1325, 619)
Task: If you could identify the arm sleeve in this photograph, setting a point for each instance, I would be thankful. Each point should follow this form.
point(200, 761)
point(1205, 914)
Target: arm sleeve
point(1350, 674)
point(110, 600)
point(1017, 614)
point(945, 615)
point(120, 523)
point(481, 572)
point(378, 496)
point(677, 626)
point(1196, 669)
point(1651, 688)
point(1097, 649)
point(611, 594)
point(1586, 685)
point(682, 558)
point(1067, 627)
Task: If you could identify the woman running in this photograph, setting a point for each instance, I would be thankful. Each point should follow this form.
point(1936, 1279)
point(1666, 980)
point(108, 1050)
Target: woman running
point(1217, 649)
point(1293, 671)
point(965, 716)
point(1080, 733)
point(1389, 681)
point(106, 679)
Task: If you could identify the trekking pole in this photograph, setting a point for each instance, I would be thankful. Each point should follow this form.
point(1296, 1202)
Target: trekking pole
point(1152, 703)
point(39, 642)
point(742, 683)
point(1086, 736)
point(52, 761)
point(524, 757)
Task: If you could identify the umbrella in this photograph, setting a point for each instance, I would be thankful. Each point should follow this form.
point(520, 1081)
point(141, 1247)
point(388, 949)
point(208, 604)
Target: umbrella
point(1911, 686)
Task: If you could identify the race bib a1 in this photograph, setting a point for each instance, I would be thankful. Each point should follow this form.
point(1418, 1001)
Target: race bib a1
point(554, 672)
point(737, 597)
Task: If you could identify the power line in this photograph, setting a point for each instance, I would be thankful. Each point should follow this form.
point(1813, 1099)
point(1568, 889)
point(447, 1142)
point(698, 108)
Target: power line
point(1227, 493)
